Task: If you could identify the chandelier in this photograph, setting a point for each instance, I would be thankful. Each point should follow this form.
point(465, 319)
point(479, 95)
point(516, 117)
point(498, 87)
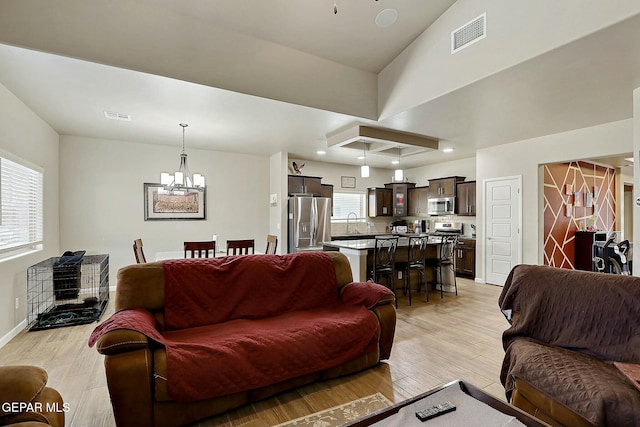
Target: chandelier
point(182, 180)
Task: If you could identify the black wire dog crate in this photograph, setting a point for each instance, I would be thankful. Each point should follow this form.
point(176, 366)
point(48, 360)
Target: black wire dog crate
point(67, 291)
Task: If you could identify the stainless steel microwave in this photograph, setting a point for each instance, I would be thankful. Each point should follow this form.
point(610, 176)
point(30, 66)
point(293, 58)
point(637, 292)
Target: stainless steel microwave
point(441, 206)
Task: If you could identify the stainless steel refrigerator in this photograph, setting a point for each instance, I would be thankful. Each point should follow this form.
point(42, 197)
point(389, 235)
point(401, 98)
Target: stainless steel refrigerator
point(309, 223)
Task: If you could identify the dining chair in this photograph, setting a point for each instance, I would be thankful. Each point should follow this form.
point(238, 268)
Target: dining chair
point(447, 260)
point(384, 261)
point(200, 249)
point(240, 247)
point(138, 252)
point(272, 244)
point(416, 253)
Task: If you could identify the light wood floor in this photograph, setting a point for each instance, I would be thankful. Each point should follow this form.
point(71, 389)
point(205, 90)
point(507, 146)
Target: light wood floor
point(435, 342)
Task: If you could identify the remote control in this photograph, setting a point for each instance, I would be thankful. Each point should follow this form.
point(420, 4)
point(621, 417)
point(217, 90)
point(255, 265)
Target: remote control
point(435, 411)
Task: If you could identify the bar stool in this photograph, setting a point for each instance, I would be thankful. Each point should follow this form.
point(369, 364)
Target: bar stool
point(416, 253)
point(384, 261)
point(447, 260)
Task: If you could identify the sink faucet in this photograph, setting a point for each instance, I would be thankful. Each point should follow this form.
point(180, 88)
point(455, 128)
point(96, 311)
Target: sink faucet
point(355, 216)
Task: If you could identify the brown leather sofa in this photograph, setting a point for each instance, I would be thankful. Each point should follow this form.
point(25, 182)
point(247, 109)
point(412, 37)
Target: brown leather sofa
point(136, 365)
point(567, 329)
point(26, 401)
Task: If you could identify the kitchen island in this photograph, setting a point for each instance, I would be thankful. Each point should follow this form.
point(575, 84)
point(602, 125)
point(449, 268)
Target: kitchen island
point(360, 255)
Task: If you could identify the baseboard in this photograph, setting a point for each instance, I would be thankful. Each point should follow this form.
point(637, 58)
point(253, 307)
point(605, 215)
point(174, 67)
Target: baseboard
point(12, 333)
point(479, 280)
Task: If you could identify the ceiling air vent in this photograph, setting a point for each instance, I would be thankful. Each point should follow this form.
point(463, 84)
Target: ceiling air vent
point(117, 116)
point(469, 33)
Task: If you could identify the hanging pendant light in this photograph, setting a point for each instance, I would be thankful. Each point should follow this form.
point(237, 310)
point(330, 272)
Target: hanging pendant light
point(364, 169)
point(399, 173)
point(182, 180)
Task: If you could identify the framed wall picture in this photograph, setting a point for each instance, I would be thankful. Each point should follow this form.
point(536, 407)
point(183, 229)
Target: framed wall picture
point(161, 204)
point(588, 200)
point(348, 182)
point(577, 199)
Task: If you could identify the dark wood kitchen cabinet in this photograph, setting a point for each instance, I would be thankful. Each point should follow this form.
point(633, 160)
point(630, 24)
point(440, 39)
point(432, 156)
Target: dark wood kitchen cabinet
point(466, 258)
point(300, 184)
point(444, 187)
point(400, 197)
point(326, 190)
point(418, 201)
point(466, 198)
point(379, 202)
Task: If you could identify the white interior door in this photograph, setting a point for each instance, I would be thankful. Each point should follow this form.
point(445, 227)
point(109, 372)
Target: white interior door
point(502, 236)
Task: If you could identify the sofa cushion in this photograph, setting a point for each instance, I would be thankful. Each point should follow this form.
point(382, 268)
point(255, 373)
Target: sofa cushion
point(202, 292)
point(589, 386)
point(243, 354)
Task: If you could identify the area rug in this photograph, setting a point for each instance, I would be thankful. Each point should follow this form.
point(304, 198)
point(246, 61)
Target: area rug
point(342, 414)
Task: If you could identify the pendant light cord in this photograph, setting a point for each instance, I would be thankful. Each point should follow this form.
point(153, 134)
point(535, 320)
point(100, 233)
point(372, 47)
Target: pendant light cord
point(184, 125)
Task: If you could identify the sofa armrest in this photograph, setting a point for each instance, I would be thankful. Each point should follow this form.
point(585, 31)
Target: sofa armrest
point(27, 399)
point(369, 294)
point(126, 331)
point(121, 341)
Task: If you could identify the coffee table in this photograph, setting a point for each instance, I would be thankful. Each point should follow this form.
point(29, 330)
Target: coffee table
point(475, 407)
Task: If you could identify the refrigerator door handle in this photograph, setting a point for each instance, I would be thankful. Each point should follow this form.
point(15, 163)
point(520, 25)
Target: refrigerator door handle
point(314, 222)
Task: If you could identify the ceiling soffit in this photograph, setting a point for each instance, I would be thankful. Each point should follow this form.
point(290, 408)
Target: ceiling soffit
point(382, 141)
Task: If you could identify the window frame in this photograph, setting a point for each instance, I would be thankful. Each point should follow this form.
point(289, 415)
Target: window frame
point(363, 200)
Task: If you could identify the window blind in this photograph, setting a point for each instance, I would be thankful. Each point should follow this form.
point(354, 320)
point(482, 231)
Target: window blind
point(344, 203)
point(21, 203)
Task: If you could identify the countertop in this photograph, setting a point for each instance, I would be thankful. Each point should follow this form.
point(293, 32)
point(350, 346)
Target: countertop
point(362, 236)
point(365, 244)
point(368, 241)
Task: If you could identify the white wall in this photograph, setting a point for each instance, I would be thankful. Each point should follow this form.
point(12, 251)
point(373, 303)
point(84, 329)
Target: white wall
point(331, 173)
point(278, 212)
point(517, 30)
point(462, 167)
point(28, 137)
point(525, 157)
point(101, 206)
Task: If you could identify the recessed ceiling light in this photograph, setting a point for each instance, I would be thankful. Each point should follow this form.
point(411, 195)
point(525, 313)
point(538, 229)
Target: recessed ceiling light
point(447, 150)
point(360, 157)
point(395, 162)
point(321, 152)
point(386, 18)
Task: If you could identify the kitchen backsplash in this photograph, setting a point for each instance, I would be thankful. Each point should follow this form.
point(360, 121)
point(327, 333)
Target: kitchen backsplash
point(379, 225)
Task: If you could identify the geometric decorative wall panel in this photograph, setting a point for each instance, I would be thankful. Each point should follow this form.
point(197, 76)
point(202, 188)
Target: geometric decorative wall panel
point(576, 195)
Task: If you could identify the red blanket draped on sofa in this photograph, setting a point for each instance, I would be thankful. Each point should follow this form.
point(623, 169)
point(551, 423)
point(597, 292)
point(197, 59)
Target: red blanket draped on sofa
point(240, 323)
point(203, 292)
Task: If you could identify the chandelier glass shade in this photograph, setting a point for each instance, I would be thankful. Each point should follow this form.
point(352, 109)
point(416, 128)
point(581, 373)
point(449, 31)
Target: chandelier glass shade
point(182, 180)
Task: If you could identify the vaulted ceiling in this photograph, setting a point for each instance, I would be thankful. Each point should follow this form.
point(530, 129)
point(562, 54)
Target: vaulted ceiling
point(260, 77)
